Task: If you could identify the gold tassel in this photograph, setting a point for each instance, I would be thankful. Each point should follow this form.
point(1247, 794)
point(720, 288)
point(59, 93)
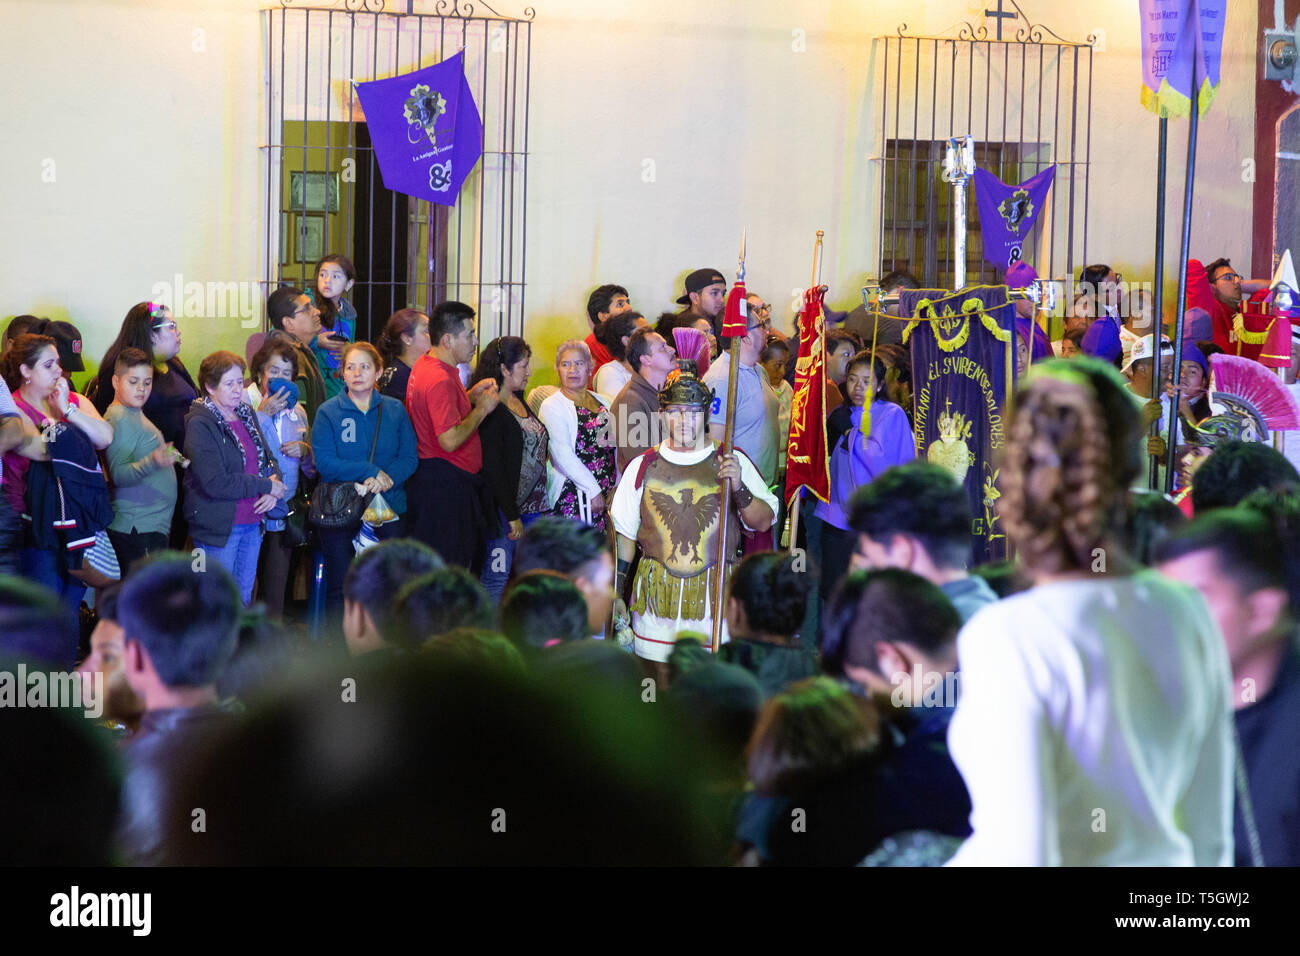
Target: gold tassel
point(871, 385)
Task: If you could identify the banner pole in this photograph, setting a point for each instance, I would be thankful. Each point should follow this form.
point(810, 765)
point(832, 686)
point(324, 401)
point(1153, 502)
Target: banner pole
point(958, 166)
point(1172, 449)
point(724, 519)
point(1153, 481)
point(796, 504)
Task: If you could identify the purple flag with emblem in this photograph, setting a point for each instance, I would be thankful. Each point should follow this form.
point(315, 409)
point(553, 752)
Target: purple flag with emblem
point(425, 129)
point(1179, 36)
point(959, 345)
point(1007, 213)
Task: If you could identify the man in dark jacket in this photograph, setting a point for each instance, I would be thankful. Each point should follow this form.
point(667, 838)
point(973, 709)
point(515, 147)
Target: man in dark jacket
point(180, 628)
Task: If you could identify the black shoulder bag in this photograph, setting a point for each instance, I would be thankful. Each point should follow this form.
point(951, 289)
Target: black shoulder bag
point(336, 504)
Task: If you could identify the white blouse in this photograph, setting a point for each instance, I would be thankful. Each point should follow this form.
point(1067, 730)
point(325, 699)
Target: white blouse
point(1094, 727)
point(560, 416)
point(610, 379)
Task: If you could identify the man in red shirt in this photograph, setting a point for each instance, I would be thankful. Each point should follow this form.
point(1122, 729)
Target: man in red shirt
point(1218, 289)
point(448, 497)
point(605, 302)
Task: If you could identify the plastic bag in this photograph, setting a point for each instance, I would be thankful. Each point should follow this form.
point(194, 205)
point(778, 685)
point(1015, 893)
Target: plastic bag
point(378, 511)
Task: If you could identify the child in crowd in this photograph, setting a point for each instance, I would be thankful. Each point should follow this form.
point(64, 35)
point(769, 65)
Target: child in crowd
point(139, 463)
point(774, 358)
point(335, 276)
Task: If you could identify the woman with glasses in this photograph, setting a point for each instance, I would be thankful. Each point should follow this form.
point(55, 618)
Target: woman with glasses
point(151, 328)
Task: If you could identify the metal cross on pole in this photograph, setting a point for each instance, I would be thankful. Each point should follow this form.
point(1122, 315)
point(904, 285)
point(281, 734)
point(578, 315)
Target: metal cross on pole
point(958, 167)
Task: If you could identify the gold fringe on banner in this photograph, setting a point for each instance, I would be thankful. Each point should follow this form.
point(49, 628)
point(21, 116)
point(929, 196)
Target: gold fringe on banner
point(1247, 336)
point(926, 311)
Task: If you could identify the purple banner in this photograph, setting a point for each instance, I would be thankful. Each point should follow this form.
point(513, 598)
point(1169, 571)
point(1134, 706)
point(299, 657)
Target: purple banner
point(959, 379)
point(1007, 213)
point(1177, 37)
point(425, 129)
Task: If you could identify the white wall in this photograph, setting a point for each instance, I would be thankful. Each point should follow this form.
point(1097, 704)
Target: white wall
point(758, 115)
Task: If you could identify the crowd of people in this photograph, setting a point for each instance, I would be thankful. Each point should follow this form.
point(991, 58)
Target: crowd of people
point(384, 603)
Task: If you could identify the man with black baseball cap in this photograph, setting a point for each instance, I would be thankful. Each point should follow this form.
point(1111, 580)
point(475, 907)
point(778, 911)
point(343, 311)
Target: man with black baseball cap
point(705, 297)
point(67, 340)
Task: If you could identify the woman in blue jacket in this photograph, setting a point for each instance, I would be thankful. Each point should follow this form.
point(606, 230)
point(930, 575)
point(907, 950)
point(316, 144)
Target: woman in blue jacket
point(341, 438)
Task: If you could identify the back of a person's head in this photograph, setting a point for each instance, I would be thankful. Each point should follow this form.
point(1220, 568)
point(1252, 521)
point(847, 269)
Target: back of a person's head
point(186, 619)
point(1281, 509)
point(688, 653)
point(886, 605)
point(557, 544)
point(437, 602)
point(722, 702)
point(613, 330)
point(1235, 469)
point(281, 304)
point(59, 802)
point(590, 661)
point(668, 321)
point(476, 646)
point(1246, 546)
point(35, 626)
point(773, 589)
point(448, 762)
point(808, 734)
point(1151, 518)
point(1072, 453)
point(899, 279)
point(263, 656)
point(921, 500)
point(17, 326)
point(379, 572)
point(540, 608)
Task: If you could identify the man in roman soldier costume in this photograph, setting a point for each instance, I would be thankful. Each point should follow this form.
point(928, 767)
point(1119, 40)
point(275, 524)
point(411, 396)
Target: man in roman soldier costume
point(668, 505)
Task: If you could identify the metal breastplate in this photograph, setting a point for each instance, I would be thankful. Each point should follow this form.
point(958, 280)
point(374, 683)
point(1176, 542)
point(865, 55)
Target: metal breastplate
point(680, 510)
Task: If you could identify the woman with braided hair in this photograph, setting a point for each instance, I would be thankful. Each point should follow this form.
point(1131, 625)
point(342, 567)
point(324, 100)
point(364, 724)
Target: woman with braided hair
point(1093, 725)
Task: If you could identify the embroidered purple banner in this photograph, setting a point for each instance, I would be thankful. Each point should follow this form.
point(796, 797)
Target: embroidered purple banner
point(1007, 213)
point(1177, 36)
point(425, 129)
point(959, 347)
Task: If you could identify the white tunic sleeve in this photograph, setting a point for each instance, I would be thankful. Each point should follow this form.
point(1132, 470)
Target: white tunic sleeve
point(625, 509)
point(751, 479)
